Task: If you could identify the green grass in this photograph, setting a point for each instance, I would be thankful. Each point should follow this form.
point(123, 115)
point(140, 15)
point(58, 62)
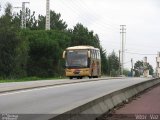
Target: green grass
point(25, 79)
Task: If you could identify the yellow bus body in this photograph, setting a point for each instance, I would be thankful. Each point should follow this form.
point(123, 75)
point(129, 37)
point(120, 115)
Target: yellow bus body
point(93, 69)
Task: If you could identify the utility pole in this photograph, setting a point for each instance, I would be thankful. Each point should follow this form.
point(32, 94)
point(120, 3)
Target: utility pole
point(47, 14)
point(132, 67)
point(122, 32)
point(23, 19)
point(119, 62)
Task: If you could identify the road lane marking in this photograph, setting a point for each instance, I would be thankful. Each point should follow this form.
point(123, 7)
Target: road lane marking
point(30, 90)
point(36, 89)
point(49, 87)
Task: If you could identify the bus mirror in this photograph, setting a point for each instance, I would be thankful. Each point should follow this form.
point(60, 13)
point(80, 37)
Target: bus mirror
point(64, 54)
point(64, 66)
point(89, 54)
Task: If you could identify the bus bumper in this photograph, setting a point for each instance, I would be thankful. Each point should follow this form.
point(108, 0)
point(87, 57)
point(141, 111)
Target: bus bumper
point(77, 72)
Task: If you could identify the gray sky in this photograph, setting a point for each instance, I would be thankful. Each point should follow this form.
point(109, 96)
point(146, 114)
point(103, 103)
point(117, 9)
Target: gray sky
point(104, 17)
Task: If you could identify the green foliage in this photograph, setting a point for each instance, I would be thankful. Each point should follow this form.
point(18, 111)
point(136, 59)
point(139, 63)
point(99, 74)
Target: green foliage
point(55, 22)
point(41, 57)
point(126, 72)
point(6, 19)
point(13, 50)
point(138, 67)
point(36, 52)
point(39, 24)
point(8, 47)
point(31, 21)
point(45, 53)
point(82, 36)
point(113, 64)
point(151, 71)
point(28, 79)
point(104, 62)
point(114, 73)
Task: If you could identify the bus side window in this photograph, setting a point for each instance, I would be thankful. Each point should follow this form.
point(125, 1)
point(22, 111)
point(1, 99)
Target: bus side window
point(95, 53)
point(92, 53)
point(98, 55)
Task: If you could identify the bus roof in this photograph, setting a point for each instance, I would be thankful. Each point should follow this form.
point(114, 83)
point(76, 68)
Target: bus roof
point(81, 47)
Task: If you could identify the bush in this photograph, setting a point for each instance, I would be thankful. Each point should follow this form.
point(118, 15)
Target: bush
point(13, 54)
point(45, 53)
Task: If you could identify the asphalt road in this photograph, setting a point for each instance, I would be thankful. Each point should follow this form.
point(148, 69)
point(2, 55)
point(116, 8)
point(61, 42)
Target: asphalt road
point(50, 100)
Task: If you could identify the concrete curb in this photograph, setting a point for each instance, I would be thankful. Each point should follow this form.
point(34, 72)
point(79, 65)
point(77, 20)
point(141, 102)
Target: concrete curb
point(95, 108)
point(40, 84)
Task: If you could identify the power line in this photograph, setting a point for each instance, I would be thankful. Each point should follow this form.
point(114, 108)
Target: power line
point(85, 7)
point(127, 62)
point(139, 53)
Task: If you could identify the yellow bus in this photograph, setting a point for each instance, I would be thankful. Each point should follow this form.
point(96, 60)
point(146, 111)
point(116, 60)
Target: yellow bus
point(82, 61)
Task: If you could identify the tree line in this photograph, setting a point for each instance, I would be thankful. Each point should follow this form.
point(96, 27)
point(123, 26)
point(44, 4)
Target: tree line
point(36, 52)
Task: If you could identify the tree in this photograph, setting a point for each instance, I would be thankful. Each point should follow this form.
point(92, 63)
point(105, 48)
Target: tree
point(56, 23)
point(104, 62)
point(138, 67)
point(31, 21)
point(126, 72)
point(113, 64)
point(45, 52)
point(13, 50)
point(82, 36)
point(6, 19)
point(36, 52)
point(43, 55)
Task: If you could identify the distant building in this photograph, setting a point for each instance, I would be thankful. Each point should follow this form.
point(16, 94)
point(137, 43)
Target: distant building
point(145, 68)
point(158, 65)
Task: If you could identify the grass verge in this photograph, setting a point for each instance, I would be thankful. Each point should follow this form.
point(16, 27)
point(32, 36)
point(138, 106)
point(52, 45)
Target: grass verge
point(29, 79)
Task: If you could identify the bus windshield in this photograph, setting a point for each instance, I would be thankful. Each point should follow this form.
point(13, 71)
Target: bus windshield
point(76, 58)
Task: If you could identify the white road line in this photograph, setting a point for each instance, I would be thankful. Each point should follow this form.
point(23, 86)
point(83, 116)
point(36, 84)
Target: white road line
point(43, 88)
point(30, 90)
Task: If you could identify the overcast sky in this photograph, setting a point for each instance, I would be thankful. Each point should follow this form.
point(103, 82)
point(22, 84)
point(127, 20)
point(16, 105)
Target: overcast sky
point(104, 17)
